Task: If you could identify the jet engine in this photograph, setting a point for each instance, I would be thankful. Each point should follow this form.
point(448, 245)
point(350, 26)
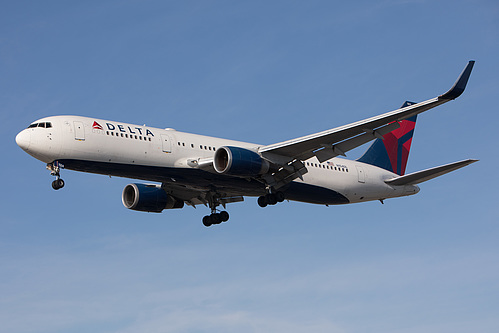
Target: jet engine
point(239, 162)
point(148, 198)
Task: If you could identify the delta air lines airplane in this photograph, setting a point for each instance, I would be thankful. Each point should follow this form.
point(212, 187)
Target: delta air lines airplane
point(194, 169)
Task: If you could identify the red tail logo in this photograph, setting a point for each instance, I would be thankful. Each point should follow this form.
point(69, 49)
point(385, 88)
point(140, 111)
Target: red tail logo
point(392, 152)
point(96, 125)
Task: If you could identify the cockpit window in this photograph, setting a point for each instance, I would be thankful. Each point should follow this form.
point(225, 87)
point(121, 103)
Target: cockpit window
point(44, 125)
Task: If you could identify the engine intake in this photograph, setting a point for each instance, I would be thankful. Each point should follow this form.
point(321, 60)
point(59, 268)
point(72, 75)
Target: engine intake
point(148, 198)
point(240, 162)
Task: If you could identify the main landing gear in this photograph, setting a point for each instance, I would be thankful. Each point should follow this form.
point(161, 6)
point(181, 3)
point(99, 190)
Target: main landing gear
point(55, 169)
point(214, 217)
point(270, 199)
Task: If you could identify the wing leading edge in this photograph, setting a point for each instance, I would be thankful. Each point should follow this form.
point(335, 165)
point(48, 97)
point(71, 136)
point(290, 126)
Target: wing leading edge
point(330, 143)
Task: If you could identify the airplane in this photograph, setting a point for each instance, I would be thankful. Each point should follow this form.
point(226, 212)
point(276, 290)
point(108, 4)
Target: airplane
point(191, 169)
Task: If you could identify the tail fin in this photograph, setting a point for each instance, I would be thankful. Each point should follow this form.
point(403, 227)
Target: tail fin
point(392, 152)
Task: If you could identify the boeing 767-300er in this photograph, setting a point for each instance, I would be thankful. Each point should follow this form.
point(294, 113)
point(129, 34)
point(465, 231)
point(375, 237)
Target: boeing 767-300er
point(194, 169)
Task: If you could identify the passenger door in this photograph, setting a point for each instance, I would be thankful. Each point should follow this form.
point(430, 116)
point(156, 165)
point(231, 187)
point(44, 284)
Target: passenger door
point(166, 143)
point(79, 131)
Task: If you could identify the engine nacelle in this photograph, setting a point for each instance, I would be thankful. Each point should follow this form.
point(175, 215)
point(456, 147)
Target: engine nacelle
point(148, 198)
point(240, 162)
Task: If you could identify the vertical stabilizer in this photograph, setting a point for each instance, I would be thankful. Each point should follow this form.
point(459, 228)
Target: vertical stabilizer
point(392, 152)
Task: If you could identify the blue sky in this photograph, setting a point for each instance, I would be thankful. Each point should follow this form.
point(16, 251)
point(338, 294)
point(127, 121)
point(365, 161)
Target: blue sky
point(76, 260)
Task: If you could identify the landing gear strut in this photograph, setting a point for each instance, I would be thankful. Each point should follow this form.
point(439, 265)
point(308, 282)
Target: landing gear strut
point(214, 217)
point(270, 199)
point(55, 169)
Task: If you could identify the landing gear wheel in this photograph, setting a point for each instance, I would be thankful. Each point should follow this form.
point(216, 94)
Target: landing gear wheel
point(224, 216)
point(280, 196)
point(207, 221)
point(262, 202)
point(58, 184)
point(271, 199)
point(215, 218)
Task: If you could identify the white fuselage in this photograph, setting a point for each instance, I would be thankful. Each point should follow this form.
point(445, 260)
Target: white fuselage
point(165, 155)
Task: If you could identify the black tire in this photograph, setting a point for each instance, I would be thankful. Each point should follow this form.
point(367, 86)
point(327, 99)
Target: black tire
point(280, 196)
point(224, 216)
point(262, 202)
point(58, 184)
point(271, 199)
point(216, 218)
point(207, 221)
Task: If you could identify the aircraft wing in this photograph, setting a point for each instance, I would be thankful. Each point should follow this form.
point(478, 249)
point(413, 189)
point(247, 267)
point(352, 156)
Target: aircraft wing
point(330, 143)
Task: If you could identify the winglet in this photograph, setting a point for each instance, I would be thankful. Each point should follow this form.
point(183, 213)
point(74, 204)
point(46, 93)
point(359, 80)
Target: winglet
point(458, 87)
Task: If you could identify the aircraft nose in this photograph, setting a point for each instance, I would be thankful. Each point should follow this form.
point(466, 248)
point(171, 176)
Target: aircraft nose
point(23, 139)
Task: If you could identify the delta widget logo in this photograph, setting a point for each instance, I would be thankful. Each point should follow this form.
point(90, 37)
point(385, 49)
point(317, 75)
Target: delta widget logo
point(97, 126)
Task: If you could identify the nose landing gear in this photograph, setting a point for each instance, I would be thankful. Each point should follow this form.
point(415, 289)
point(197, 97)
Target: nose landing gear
point(55, 169)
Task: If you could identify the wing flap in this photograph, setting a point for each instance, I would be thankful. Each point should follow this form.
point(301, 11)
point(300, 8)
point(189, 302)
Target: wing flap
point(424, 175)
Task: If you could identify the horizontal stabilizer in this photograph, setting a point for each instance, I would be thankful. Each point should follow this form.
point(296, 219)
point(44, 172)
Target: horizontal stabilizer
point(422, 176)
